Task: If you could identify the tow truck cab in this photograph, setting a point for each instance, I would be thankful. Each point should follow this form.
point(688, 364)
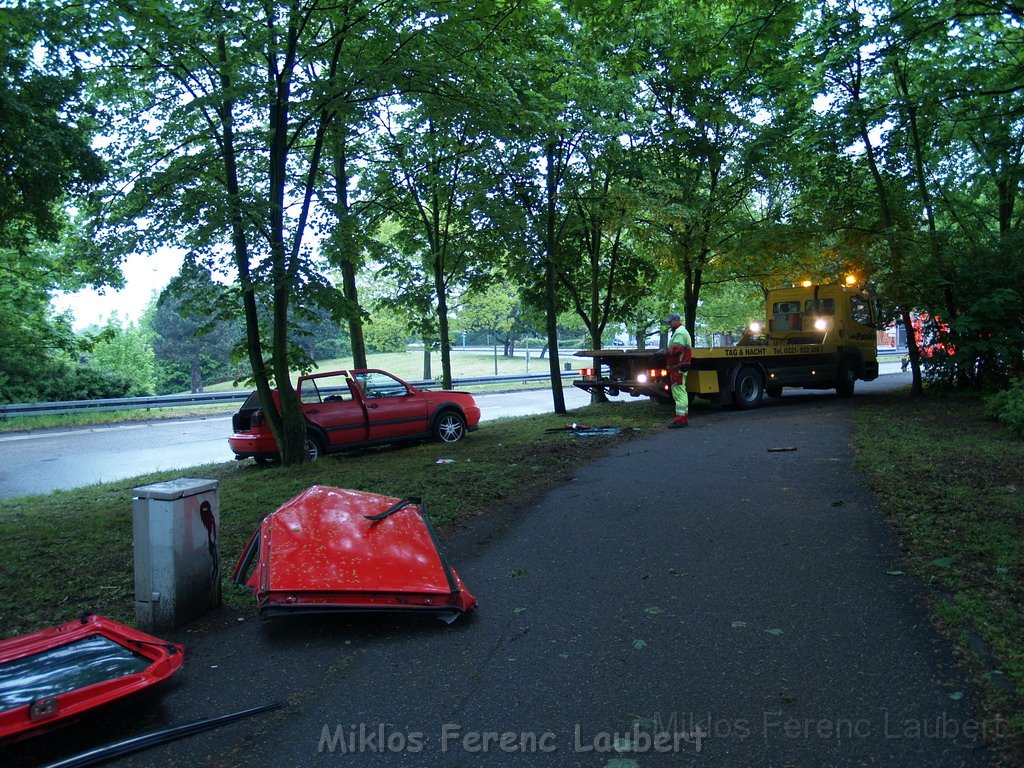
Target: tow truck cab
point(822, 316)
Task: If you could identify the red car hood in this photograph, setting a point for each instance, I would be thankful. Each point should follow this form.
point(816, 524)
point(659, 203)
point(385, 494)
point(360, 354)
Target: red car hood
point(60, 672)
point(333, 549)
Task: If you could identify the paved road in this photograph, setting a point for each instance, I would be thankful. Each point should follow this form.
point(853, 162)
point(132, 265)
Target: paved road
point(49, 460)
point(741, 605)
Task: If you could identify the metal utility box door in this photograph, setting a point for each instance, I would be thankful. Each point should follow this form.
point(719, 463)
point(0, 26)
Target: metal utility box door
point(176, 527)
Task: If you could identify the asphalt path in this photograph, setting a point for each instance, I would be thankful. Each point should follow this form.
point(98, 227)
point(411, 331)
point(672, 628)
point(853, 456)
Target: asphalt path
point(59, 459)
point(695, 597)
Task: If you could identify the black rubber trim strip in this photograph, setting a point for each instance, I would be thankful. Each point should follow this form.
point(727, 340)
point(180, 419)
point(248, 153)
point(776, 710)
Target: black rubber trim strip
point(278, 609)
point(251, 550)
point(452, 584)
point(412, 500)
point(155, 738)
point(345, 427)
point(386, 423)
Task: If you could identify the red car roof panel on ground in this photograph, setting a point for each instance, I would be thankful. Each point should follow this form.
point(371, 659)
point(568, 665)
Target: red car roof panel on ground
point(336, 549)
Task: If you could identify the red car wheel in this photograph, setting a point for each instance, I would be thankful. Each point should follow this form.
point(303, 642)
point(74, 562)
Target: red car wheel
point(449, 427)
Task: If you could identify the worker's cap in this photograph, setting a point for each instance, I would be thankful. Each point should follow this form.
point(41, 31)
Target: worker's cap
point(673, 316)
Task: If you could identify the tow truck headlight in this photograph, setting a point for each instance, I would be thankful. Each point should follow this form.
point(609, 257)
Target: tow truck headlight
point(755, 327)
point(641, 378)
point(821, 324)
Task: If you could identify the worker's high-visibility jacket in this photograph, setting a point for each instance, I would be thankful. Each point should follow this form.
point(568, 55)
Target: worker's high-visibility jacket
point(679, 353)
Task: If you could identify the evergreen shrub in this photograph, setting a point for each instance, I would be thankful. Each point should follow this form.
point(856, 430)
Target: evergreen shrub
point(1008, 407)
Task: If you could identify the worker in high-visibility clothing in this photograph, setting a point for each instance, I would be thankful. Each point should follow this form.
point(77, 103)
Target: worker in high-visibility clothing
point(678, 353)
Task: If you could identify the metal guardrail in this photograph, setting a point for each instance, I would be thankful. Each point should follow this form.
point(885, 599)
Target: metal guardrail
point(208, 398)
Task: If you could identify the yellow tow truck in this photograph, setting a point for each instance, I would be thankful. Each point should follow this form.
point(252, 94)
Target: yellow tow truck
point(814, 336)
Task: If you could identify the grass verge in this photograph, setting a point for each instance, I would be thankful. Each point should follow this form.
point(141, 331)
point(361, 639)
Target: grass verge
point(68, 552)
point(950, 481)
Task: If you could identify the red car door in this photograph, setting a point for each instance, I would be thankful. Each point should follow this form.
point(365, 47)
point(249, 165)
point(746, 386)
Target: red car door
point(329, 403)
point(393, 408)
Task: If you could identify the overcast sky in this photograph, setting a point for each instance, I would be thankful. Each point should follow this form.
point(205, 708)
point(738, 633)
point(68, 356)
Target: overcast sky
point(144, 276)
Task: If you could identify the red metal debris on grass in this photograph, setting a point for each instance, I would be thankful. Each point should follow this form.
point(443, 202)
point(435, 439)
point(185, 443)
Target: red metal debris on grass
point(61, 672)
point(331, 549)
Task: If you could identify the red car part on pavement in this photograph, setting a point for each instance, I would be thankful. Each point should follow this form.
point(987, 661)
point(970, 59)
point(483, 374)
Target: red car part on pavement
point(331, 549)
point(57, 673)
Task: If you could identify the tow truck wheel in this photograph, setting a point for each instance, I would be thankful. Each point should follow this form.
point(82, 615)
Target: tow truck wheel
point(749, 388)
point(846, 380)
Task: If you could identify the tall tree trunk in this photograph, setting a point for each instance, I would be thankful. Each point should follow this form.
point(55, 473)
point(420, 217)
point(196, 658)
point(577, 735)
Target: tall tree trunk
point(240, 247)
point(427, 374)
point(347, 256)
point(196, 377)
point(550, 261)
point(889, 224)
point(902, 86)
point(913, 351)
point(695, 276)
point(292, 441)
point(1006, 189)
point(440, 288)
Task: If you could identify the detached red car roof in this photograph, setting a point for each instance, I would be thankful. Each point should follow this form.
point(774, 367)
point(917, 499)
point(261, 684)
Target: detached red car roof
point(333, 549)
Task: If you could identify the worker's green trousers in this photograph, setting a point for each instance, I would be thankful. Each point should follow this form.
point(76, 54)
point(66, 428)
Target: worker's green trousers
point(681, 397)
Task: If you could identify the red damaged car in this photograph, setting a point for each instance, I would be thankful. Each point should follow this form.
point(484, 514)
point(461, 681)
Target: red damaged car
point(352, 409)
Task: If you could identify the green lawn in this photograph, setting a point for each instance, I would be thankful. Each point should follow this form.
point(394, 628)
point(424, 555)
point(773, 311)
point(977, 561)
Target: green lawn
point(409, 365)
point(950, 481)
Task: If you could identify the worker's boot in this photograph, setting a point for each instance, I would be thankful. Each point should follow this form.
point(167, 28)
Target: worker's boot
point(679, 421)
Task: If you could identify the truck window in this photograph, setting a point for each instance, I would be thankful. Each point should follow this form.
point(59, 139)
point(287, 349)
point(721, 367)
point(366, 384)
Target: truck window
point(860, 310)
point(825, 307)
point(786, 316)
point(786, 308)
